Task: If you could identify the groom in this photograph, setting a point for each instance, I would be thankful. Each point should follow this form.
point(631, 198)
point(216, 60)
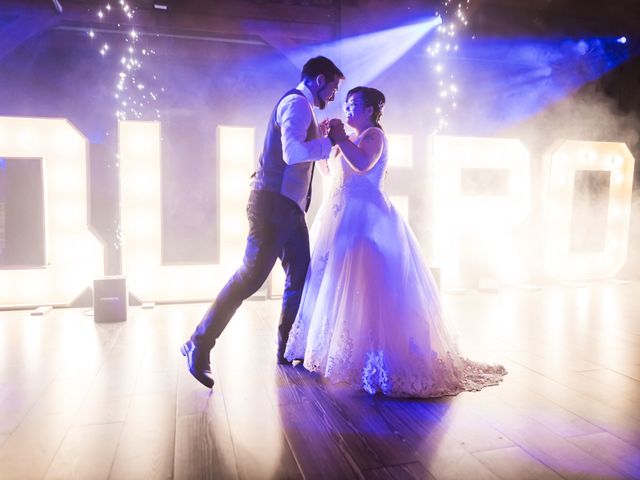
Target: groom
point(279, 198)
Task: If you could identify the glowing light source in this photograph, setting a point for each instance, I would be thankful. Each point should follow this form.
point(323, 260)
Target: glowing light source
point(487, 218)
point(364, 57)
point(538, 73)
point(400, 150)
point(236, 160)
point(73, 256)
point(561, 164)
point(400, 156)
point(141, 212)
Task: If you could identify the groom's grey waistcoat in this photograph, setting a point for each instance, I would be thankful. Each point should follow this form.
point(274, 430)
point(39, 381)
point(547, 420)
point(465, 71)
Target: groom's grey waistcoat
point(273, 173)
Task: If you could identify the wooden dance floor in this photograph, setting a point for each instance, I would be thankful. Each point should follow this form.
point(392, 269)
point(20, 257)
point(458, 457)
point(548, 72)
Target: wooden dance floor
point(85, 400)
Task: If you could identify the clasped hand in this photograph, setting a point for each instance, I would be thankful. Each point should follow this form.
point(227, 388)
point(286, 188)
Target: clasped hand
point(334, 129)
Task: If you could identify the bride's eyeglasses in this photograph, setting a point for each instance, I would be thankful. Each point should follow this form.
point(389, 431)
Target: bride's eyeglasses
point(350, 106)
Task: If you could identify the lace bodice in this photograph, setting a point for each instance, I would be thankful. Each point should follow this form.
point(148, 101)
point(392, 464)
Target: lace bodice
point(344, 176)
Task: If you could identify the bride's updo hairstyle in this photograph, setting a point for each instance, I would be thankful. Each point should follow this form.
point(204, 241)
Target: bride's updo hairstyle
point(372, 97)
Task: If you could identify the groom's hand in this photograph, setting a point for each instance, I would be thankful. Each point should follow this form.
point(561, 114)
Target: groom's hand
point(336, 131)
point(324, 127)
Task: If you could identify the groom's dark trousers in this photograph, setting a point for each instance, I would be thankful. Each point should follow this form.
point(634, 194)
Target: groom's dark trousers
point(277, 229)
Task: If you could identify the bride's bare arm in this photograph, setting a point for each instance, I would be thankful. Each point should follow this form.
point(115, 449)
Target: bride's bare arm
point(363, 157)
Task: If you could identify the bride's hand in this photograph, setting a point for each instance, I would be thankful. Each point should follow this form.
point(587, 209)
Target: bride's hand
point(336, 131)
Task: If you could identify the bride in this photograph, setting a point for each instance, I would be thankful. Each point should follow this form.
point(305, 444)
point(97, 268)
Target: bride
point(370, 315)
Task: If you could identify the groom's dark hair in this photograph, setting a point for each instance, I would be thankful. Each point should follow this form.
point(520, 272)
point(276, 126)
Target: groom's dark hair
point(321, 66)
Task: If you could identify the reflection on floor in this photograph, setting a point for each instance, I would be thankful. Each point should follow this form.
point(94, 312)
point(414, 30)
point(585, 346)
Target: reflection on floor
point(80, 399)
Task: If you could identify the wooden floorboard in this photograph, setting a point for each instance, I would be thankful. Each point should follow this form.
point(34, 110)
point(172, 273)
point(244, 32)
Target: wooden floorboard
point(612, 451)
point(85, 400)
point(599, 414)
point(532, 406)
point(86, 452)
point(319, 451)
point(514, 462)
point(203, 448)
point(543, 443)
point(442, 454)
point(399, 472)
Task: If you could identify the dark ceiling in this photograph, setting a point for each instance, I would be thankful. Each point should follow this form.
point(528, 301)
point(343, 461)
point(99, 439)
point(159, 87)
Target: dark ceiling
point(498, 17)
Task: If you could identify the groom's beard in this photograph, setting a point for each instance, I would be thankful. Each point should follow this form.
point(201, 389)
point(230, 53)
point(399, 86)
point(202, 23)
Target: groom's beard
point(322, 103)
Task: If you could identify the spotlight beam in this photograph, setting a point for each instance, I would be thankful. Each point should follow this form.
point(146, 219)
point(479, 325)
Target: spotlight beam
point(365, 57)
point(57, 6)
point(521, 78)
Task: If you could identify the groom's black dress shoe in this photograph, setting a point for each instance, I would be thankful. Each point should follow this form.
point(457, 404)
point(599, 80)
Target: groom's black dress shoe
point(199, 363)
point(282, 360)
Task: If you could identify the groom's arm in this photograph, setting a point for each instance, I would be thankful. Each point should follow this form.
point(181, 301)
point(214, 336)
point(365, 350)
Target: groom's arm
point(295, 117)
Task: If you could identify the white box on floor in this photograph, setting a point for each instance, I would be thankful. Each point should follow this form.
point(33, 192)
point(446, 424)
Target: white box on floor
point(110, 299)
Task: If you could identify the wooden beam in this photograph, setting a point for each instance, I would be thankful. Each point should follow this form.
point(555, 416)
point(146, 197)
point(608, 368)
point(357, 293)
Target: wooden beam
point(282, 24)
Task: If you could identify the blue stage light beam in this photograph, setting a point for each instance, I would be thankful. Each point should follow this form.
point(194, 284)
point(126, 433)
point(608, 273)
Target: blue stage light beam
point(365, 57)
point(507, 81)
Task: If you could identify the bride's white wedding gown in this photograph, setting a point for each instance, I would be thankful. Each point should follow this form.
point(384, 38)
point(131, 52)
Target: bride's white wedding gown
point(370, 314)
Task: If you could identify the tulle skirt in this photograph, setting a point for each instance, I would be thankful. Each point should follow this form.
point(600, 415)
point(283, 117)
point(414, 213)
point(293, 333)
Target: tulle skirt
point(370, 314)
